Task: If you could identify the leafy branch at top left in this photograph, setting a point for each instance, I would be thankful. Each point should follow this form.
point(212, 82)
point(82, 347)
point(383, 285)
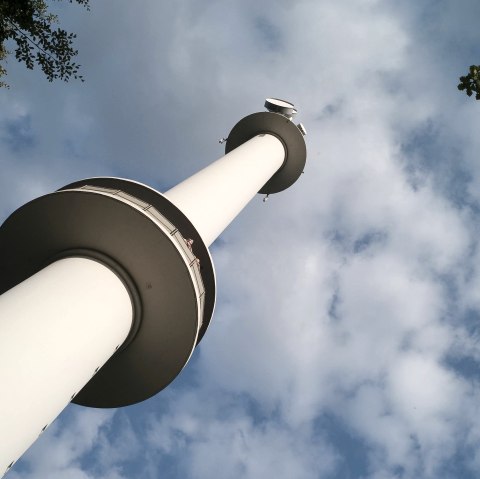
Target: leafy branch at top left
point(29, 27)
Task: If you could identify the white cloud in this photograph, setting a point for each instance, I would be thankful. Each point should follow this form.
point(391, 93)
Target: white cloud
point(225, 438)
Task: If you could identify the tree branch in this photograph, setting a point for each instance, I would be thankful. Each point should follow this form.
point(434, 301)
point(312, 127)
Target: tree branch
point(15, 28)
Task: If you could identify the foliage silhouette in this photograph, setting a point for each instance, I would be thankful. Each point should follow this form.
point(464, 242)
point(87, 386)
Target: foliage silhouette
point(30, 26)
point(471, 82)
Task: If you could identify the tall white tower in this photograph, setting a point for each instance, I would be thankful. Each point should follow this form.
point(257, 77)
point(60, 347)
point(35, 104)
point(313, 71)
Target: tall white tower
point(107, 285)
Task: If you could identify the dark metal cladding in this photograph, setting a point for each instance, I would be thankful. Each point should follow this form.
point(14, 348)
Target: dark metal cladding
point(52, 225)
point(278, 125)
point(176, 217)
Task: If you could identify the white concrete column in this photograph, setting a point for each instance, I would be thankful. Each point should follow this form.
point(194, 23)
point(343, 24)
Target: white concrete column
point(214, 196)
point(57, 328)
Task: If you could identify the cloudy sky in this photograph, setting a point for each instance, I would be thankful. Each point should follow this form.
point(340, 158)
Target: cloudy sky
point(346, 340)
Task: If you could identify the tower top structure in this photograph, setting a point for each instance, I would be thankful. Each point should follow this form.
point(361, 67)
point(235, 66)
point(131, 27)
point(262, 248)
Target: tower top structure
point(278, 122)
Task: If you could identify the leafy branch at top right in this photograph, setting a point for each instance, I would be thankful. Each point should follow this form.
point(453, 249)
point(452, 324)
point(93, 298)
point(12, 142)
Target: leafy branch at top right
point(471, 82)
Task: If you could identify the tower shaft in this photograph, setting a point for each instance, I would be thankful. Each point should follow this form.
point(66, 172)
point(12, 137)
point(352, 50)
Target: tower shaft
point(214, 196)
point(118, 317)
point(56, 329)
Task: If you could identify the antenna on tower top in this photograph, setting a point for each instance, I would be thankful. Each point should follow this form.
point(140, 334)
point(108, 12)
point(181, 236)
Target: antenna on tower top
point(285, 108)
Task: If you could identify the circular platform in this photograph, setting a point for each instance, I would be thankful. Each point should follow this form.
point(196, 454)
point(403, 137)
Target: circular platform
point(174, 215)
point(291, 137)
point(47, 227)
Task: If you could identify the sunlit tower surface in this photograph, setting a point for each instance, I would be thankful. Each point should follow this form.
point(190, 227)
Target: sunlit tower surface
point(107, 285)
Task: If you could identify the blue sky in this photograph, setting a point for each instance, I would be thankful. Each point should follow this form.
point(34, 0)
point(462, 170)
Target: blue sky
point(345, 342)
